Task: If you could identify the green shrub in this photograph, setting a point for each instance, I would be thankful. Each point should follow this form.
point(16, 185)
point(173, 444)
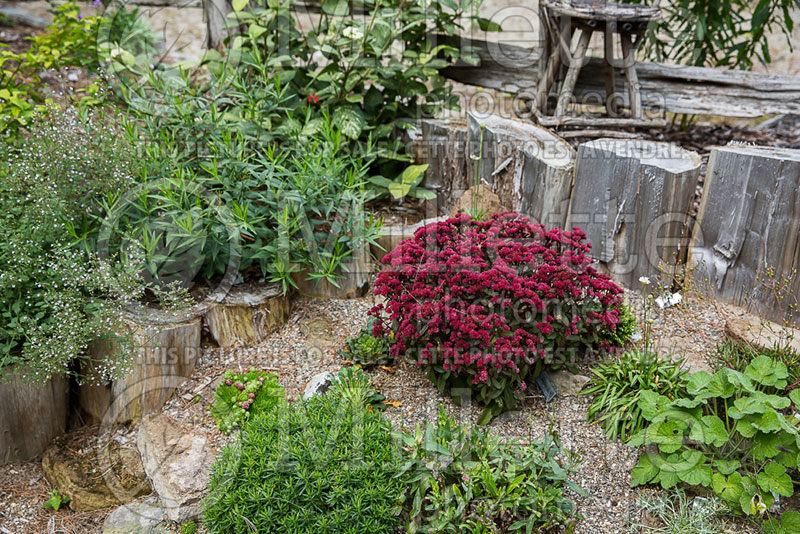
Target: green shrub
point(353, 386)
point(242, 396)
point(737, 356)
point(55, 298)
point(681, 514)
point(464, 479)
point(189, 528)
point(735, 433)
point(323, 465)
point(366, 349)
point(617, 387)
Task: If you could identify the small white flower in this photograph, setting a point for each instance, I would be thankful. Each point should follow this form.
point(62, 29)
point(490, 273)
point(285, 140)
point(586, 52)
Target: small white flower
point(645, 281)
point(351, 32)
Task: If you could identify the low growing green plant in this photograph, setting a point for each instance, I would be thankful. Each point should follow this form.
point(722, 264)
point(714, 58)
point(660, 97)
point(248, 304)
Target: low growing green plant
point(737, 355)
point(464, 479)
point(244, 395)
point(323, 465)
point(617, 388)
point(678, 513)
point(366, 349)
point(735, 434)
point(56, 500)
point(352, 385)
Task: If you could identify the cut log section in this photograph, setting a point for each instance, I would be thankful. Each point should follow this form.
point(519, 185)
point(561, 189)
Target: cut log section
point(247, 315)
point(32, 415)
point(166, 352)
point(444, 149)
point(747, 242)
point(353, 280)
point(632, 199)
point(528, 167)
point(394, 234)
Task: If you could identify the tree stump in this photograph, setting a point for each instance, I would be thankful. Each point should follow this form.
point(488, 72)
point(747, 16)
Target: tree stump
point(632, 198)
point(528, 167)
point(392, 235)
point(445, 151)
point(353, 282)
point(247, 315)
point(167, 349)
point(31, 415)
point(748, 227)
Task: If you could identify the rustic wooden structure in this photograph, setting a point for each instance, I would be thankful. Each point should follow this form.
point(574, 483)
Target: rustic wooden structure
point(167, 349)
point(561, 20)
point(247, 315)
point(748, 226)
point(353, 280)
point(444, 149)
point(392, 235)
point(632, 198)
point(31, 415)
point(528, 167)
point(672, 88)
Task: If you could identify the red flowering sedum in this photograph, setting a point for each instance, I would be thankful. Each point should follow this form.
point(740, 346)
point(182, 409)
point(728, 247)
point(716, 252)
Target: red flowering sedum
point(480, 304)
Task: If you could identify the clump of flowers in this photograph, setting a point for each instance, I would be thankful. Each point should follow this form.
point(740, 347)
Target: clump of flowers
point(242, 394)
point(482, 305)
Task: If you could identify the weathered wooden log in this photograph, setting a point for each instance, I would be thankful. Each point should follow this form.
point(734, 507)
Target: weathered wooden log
point(444, 149)
point(528, 167)
point(632, 198)
point(31, 415)
point(166, 351)
point(747, 240)
point(673, 88)
point(247, 315)
point(392, 235)
point(352, 280)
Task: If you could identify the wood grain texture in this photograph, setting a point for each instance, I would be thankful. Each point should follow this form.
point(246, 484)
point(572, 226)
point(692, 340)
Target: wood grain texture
point(445, 150)
point(749, 224)
point(632, 198)
point(247, 315)
point(167, 350)
point(31, 416)
point(353, 280)
point(528, 167)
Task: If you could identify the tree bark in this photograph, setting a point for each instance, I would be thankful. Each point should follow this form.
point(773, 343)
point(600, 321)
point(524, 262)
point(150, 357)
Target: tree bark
point(445, 151)
point(247, 315)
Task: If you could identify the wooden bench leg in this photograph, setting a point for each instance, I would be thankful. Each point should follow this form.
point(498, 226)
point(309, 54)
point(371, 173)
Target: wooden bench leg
point(575, 64)
point(629, 59)
point(611, 86)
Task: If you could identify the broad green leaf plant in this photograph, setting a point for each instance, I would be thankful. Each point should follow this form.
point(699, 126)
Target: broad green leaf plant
point(736, 434)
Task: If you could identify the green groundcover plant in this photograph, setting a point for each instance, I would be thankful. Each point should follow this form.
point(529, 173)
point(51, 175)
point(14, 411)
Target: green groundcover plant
point(244, 395)
point(738, 355)
point(617, 388)
point(366, 349)
point(323, 465)
point(735, 434)
point(465, 479)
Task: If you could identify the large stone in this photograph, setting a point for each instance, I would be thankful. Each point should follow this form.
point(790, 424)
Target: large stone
point(143, 517)
point(568, 383)
point(758, 333)
point(178, 463)
point(93, 471)
point(318, 384)
point(682, 347)
point(482, 198)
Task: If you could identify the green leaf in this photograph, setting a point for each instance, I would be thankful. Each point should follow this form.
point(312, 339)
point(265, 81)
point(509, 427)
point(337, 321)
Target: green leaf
point(489, 25)
point(713, 431)
point(424, 194)
point(413, 174)
point(337, 8)
point(667, 434)
point(399, 190)
point(775, 479)
point(765, 445)
point(644, 472)
point(350, 120)
point(239, 5)
point(726, 467)
point(729, 488)
point(767, 371)
point(651, 404)
point(698, 382)
point(795, 397)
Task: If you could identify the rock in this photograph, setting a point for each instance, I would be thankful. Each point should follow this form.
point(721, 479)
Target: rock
point(568, 383)
point(178, 464)
point(143, 517)
point(318, 385)
point(23, 16)
point(752, 330)
point(678, 347)
point(488, 203)
point(94, 472)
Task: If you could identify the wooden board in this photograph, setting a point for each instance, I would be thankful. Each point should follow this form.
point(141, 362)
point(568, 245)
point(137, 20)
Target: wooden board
point(673, 88)
point(632, 199)
point(749, 224)
point(31, 415)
